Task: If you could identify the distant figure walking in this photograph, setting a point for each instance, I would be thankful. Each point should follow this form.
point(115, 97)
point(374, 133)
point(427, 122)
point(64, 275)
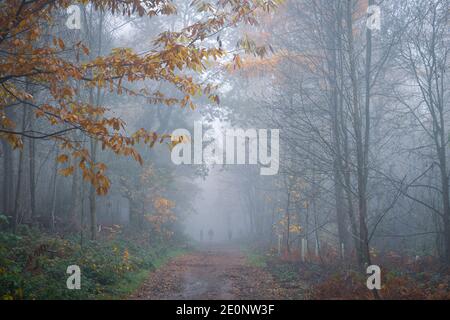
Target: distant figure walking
point(201, 234)
point(230, 235)
point(210, 234)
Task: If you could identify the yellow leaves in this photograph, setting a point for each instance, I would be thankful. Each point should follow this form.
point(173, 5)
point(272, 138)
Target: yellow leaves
point(126, 256)
point(295, 228)
point(162, 216)
point(66, 171)
point(163, 203)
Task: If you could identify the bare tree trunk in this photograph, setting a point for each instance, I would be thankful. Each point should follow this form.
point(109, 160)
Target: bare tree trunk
point(365, 157)
point(288, 225)
point(75, 206)
point(93, 213)
point(445, 199)
point(19, 182)
point(53, 212)
point(94, 143)
point(364, 255)
point(334, 46)
point(7, 178)
point(32, 165)
point(92, 192)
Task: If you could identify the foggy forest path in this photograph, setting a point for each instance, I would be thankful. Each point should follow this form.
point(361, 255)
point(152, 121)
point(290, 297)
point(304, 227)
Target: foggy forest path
point(210, 272)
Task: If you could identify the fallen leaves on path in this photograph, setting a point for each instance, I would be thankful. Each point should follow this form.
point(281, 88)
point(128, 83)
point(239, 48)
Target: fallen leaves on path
point(210, 274)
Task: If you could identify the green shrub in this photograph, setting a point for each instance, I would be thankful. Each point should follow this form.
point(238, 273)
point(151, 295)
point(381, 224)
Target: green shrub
point(33, 265)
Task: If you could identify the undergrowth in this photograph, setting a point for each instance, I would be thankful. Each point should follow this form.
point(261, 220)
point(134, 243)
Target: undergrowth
point(402, 277)
point(33, 265)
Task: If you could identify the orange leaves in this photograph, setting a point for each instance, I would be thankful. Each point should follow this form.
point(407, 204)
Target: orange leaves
point(352, 285)
point(95, 174)
point(131, 151)
point(62, 158)
point(163, 216)
point(67, 171)
point(162, 204)
point(85, 49)
point(61, 44)
point(7, 122)
point(14, 140)
point(137, 156)
point(102, 185)
point(91, 171)
point(185, 100)
point(176, 57)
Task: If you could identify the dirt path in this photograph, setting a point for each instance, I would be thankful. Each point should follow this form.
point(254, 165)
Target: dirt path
point(210, 273)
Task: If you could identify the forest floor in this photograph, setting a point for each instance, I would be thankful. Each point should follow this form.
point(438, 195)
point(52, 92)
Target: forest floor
point(226, 272)
point(214, 272)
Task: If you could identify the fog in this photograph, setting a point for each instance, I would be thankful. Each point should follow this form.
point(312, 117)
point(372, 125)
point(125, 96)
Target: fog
point(335, 157)
point(217, 208)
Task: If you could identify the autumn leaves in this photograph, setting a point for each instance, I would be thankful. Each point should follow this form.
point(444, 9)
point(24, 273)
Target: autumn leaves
point(34, 59)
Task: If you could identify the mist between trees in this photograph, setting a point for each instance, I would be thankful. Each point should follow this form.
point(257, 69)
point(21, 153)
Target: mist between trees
point(87, 117)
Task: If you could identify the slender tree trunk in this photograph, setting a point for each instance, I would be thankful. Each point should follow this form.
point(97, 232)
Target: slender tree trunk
point(446, 204)
point(7, 178)
point(441, 145)
point(19, 182)
point(75, 205)
point(332, 52)
point(32, 166)
point(54, 185)
point(92, 196)
point(94, 143)
point(364, 256)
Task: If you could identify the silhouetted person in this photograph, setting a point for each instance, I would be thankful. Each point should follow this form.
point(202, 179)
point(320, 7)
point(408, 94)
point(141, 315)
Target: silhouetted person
point(210, 234)
point(201, 235)
point(230, 235)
